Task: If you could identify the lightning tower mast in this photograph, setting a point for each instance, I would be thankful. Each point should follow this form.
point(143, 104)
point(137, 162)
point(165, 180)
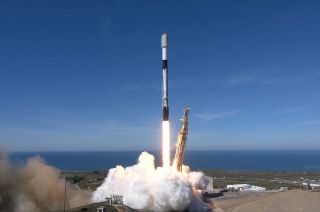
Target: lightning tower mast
point(181, 141)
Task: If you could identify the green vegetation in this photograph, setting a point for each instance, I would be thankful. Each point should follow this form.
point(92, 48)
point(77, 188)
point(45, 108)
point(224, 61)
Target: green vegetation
point(90, 180)
point(93, 208)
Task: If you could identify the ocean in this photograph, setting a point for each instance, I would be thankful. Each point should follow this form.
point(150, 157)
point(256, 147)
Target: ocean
point(308, 161)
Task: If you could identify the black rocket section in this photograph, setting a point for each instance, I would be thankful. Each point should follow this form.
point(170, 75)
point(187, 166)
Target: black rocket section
point(165, 112)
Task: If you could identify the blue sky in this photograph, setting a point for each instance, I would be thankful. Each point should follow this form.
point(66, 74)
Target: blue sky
point(86, 75)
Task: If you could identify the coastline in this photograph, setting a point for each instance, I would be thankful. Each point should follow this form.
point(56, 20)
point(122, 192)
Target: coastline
point(293, 161)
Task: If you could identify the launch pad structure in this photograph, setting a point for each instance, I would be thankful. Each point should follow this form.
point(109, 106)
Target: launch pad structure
point(181, 141)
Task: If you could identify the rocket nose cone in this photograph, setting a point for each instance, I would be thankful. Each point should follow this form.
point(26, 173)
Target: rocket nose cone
point(164, 40)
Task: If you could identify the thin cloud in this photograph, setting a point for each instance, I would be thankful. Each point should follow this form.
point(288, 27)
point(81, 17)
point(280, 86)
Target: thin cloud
point(241, 79)
point(266, 75)
point(80, 135)
point(154, 86)
point(209, 115)
point(157, 86)
point(288, 111)
point(312, 122)
point(132, 88)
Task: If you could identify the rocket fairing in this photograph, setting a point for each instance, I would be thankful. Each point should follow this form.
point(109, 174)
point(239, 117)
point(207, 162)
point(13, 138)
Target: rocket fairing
point(165, 104)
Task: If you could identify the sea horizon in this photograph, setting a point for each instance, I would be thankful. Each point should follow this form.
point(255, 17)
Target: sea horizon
point(229, 160)
point(155, 150)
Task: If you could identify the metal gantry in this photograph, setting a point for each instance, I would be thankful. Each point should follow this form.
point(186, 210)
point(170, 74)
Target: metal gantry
point(181, 141)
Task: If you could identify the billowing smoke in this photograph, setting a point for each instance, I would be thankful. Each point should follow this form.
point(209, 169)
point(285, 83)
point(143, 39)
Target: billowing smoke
point(35, 187)
point(148, 188)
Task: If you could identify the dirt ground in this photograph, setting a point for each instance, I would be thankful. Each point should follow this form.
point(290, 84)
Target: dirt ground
point(288, 201)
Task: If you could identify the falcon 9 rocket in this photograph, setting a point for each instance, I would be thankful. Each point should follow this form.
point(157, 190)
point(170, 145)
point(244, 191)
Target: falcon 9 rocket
point(165, 104)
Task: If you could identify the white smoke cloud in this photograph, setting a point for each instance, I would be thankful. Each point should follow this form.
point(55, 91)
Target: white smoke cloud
point(145, 187)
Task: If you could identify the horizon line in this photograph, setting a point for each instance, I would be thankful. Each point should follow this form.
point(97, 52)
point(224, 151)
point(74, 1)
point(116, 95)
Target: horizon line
point(153, 150)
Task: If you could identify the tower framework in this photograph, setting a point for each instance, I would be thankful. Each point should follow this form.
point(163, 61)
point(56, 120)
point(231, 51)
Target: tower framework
point(181, 141)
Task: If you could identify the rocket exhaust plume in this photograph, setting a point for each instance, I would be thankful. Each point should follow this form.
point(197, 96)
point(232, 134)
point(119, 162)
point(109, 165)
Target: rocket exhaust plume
point(165, 105)
point(165, 144)
point(149, 188)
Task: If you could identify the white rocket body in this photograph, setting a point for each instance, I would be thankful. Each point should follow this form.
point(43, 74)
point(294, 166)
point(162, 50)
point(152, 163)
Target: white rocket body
point(165, 103)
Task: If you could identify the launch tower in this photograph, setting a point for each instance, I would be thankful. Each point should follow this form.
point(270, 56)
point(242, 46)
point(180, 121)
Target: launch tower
point(181, 141)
